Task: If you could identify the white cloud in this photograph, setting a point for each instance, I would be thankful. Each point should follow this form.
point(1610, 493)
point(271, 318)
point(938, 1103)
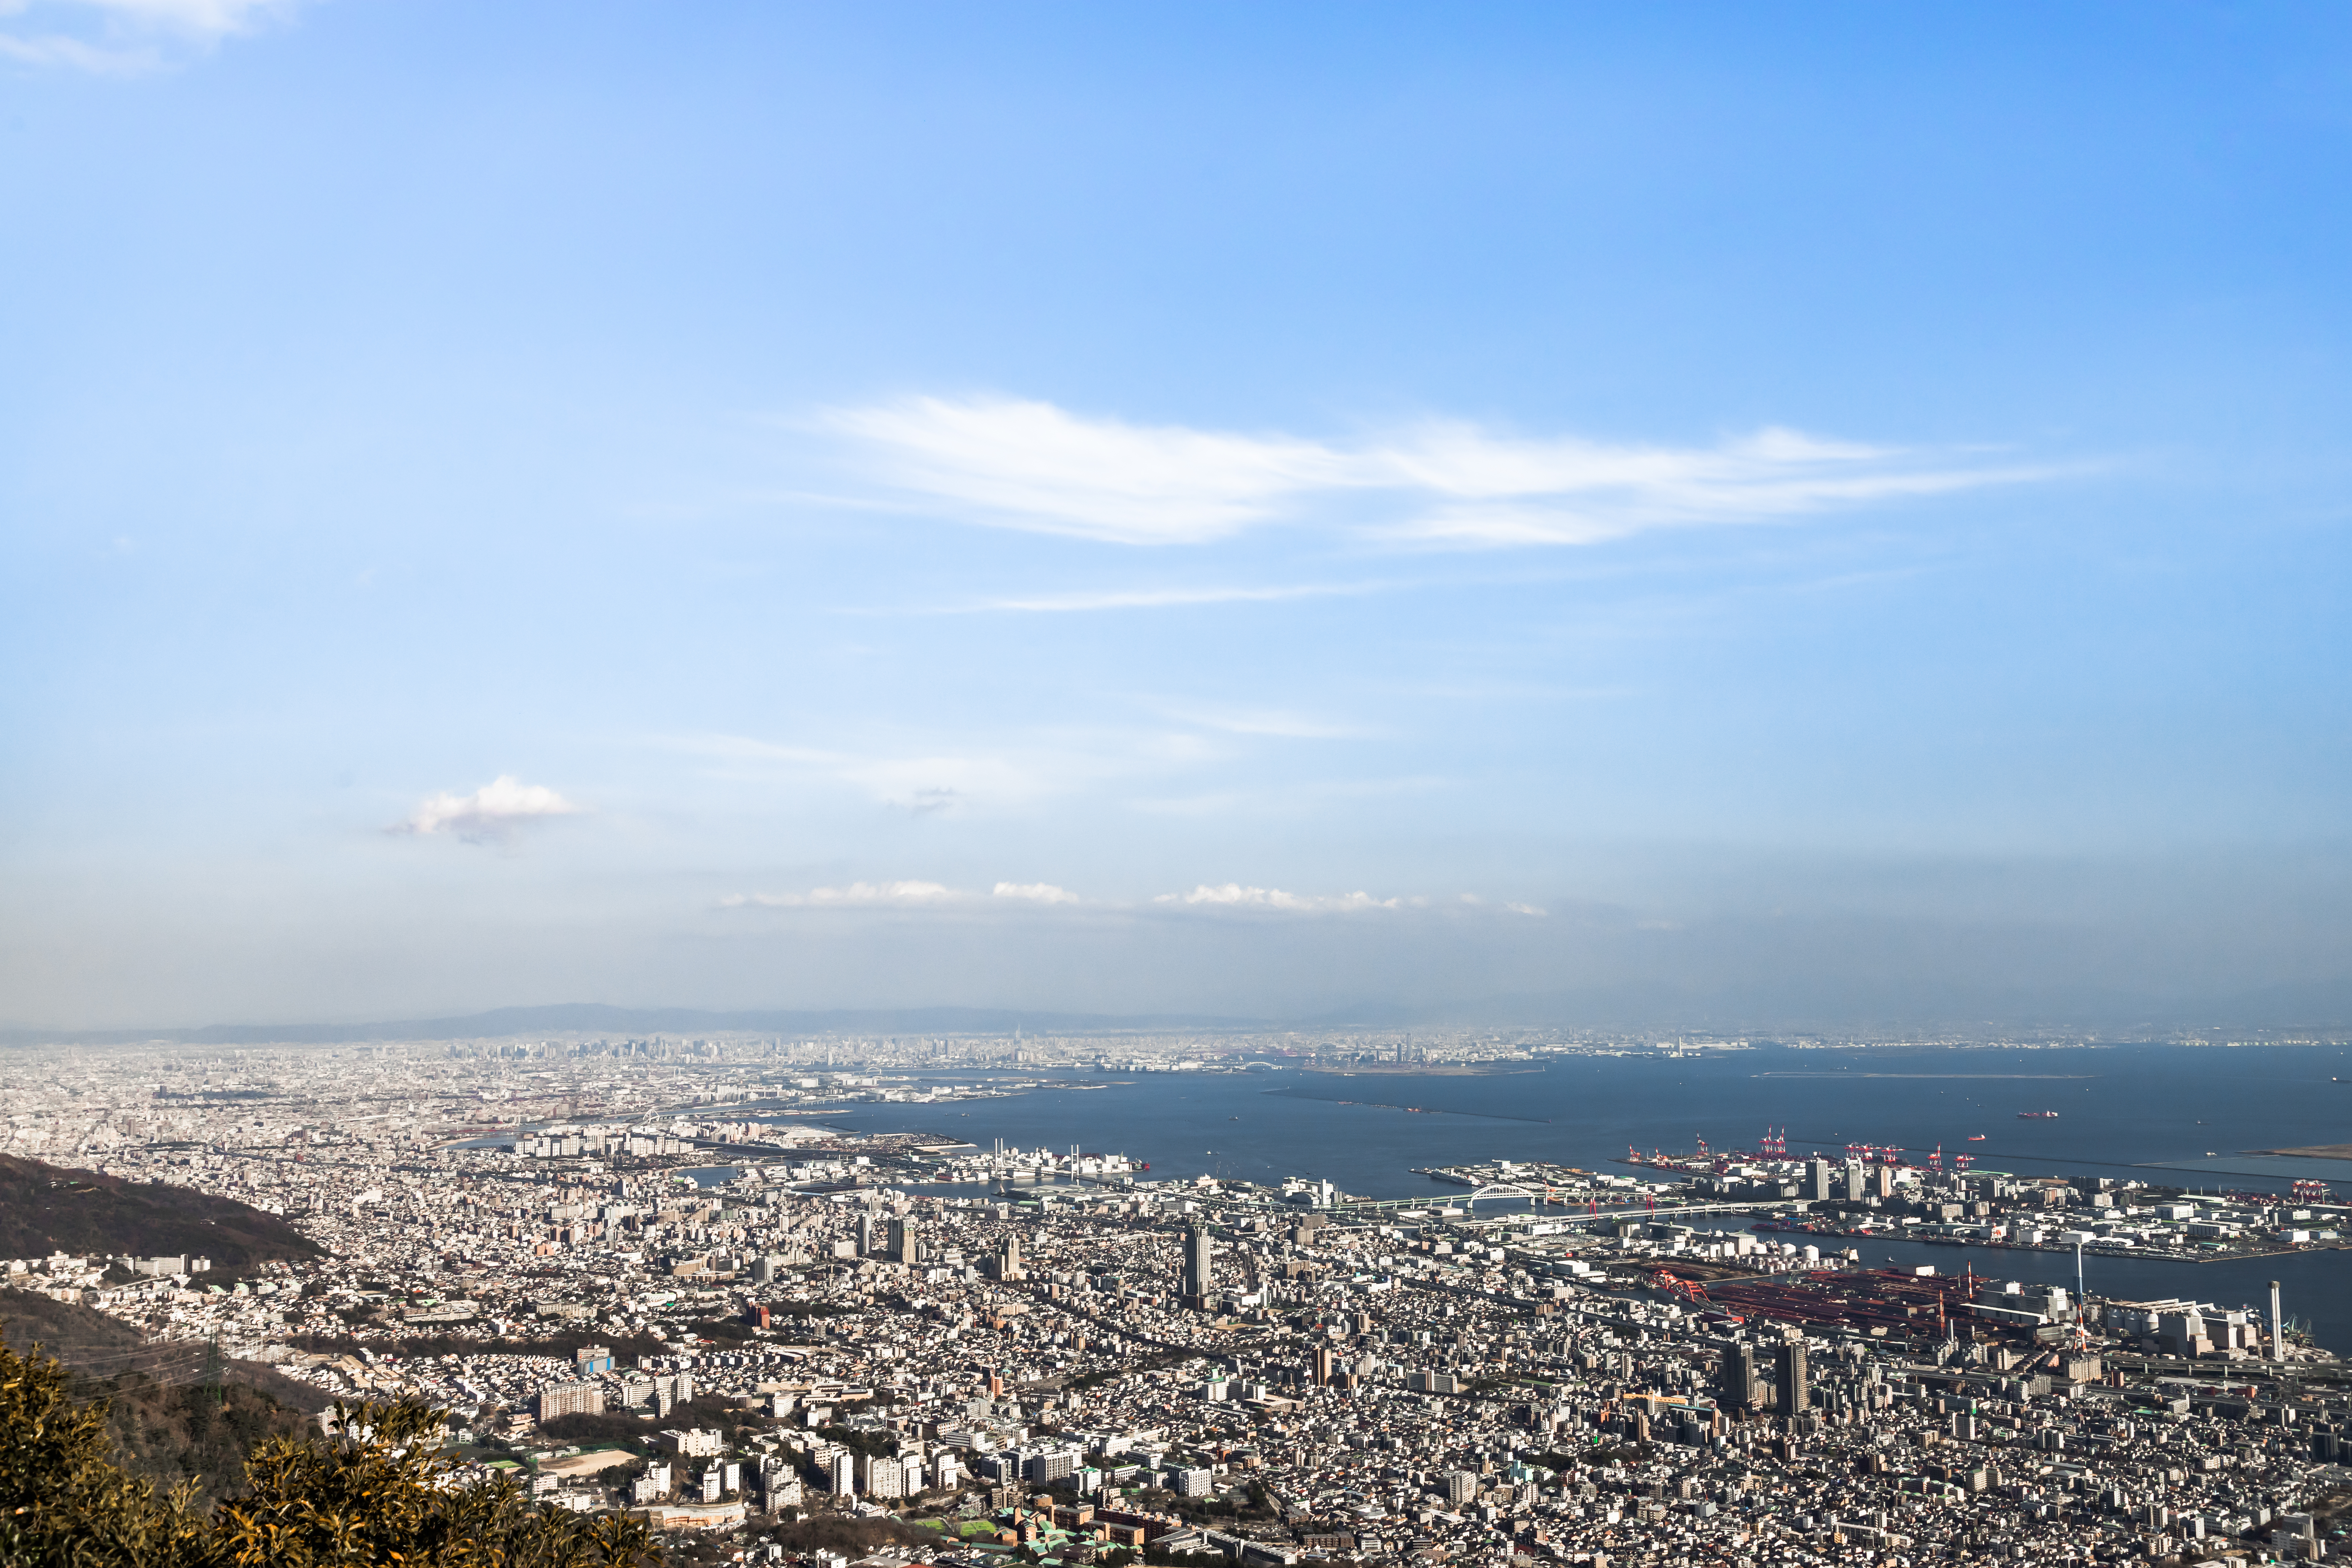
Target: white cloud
point(1234, 896)
point(1206, 897)
point(121, 37)
point(1485, 491)
point(1030, 465)
point(1016, 464)
point(856, 895)
point(1037, 892)
point(494, 812)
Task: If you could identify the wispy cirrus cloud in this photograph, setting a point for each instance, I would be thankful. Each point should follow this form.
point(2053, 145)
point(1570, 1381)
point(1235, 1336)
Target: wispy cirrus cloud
point(1016, 463)
point(855, 895)
point(492, 814)
point(125, 37)
point(1235, 896)
point(1205, 897)
point(1033, 465)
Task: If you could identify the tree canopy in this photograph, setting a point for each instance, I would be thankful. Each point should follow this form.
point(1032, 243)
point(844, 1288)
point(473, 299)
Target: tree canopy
point(371, 1490)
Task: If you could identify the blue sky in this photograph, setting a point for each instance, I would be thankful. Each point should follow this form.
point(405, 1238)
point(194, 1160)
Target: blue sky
point(1747, 515)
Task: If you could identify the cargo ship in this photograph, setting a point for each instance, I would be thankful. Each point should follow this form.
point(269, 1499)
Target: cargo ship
point(2037, 1116)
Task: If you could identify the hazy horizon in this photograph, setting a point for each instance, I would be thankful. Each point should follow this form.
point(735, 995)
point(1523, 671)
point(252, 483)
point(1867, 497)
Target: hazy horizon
point(1743, 517)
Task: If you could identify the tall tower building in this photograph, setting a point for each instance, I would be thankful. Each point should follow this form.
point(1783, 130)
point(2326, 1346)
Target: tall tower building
point(1818, 1188)
point(1736, 1382)
point(1795, 1390)
point(904, 1249)
point(866, 1235)
point(1197, 1290)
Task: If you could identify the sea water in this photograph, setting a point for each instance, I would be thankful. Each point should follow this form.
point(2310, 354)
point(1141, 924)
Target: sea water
point(2182, 1116)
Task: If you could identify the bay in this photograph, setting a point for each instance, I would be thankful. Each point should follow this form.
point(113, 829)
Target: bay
point(2183, 1116)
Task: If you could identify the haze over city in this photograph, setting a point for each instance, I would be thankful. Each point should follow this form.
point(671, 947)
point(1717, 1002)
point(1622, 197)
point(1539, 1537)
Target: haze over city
point(1749, 518)
point(1034, 785)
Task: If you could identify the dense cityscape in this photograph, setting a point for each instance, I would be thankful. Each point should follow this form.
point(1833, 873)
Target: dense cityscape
point(648, 1275)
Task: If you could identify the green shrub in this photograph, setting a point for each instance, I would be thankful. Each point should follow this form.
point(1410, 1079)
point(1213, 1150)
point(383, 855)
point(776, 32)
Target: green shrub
point(377, 1492)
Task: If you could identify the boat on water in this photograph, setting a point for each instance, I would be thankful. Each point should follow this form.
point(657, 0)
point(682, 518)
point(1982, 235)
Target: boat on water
point(1976, 1137)
point(2037, 1116)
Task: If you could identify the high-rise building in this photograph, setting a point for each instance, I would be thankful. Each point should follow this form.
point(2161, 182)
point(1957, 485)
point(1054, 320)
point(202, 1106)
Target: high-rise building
point(1461, 1485)
point(1197, 1291)
point(904, 1249)
point(1794, 1391)
point(570, 1399)
point(866, 1235)
point(1855, 1188)
point(843, 1472)
point(883, 1477)
point(1885, 1174)
point(1050, 1465)
point(1736, 1384)
point(1818, 1188)
point(1323, 1369)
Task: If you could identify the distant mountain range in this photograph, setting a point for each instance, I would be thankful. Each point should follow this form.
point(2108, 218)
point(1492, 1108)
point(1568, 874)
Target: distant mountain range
point(595, 1019)
point(47, 1208)
point(1634, 1005)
